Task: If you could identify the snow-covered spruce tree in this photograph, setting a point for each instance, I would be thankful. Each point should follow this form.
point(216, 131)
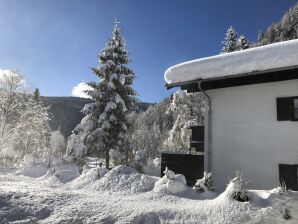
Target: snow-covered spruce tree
point(105, 124)
point(204, 184)
point(230, 41)
point(242, 43)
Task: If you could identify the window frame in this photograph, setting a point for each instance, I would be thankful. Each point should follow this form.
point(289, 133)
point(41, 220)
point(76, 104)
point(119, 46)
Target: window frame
point(291, 108)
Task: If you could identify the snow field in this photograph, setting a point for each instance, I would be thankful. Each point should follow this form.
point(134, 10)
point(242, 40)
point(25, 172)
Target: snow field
point(123, 195)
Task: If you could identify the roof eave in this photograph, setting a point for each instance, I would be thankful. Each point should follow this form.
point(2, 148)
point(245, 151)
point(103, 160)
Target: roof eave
point(179, 84)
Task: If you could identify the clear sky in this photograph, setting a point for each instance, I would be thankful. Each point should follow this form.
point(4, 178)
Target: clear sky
point(54, 43)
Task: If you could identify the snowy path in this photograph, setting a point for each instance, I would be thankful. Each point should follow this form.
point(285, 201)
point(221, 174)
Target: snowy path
point(29, 200)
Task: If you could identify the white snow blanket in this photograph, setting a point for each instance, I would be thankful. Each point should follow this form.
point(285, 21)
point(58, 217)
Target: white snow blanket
point(64, 172)
point(272, 56)
point(31, 200)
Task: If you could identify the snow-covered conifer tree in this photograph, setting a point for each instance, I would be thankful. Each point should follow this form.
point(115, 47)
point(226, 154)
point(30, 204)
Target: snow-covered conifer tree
point(105, 123)
point(242, 43)
point(230, 41)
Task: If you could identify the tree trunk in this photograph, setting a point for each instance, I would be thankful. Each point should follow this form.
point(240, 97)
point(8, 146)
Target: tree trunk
point(107, 159)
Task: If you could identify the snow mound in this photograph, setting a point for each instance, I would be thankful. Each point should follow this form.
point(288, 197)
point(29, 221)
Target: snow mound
point(63, 172)
point(66, 175)
point(125, 179)
point(33, 170)
point(175, 185)
point(88, 178)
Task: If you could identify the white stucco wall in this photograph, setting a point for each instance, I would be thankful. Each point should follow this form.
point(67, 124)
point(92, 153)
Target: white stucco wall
point(246, 135)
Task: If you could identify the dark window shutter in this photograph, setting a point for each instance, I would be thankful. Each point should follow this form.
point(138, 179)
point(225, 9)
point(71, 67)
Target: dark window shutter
point(284, 108)
point(288, 174)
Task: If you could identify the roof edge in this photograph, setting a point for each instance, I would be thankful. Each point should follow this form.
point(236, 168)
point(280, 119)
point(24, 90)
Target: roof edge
point(268, 71)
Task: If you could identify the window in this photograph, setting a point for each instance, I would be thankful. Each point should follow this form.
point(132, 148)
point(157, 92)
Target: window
point(287, 108)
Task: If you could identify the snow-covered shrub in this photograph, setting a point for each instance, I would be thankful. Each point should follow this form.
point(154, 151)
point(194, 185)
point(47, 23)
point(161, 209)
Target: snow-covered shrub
point(286, 214)
point(140, 160)
point(157, 162)
point(170, 183)
point(236, 189)
point(204, 184)
point(282, 188)
point(169, 174)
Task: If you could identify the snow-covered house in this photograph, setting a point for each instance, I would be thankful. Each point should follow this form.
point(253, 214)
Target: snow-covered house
point(252, 123)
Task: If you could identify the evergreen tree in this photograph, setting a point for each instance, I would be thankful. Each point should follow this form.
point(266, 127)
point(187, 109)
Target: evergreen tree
point(242, 43)
point(36, 94)
point(230, 41)
point(105, 123)
point(286, 29)
point(261, 38)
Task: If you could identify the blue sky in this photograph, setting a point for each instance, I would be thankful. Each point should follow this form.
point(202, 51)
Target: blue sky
point(54, 43)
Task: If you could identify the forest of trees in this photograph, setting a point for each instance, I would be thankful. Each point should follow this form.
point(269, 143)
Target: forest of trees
point(285, 29)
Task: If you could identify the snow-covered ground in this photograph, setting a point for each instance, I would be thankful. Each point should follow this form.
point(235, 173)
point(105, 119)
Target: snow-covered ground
point(124, 196)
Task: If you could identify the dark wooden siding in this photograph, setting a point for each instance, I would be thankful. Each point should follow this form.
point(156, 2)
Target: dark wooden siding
point(288, 174)
point(191, 166)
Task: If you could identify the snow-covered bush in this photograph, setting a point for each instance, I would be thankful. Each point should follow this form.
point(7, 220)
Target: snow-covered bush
point(170, 183)
point(157, 162)
point(140, 160)
point(282, 188)
point(204, 184)
point(236, 189)
point(286, 214)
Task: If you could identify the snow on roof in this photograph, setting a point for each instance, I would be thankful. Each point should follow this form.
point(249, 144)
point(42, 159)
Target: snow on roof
point(273, 56)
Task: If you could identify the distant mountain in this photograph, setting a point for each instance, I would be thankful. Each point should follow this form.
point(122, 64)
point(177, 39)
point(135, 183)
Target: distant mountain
point(66, 112)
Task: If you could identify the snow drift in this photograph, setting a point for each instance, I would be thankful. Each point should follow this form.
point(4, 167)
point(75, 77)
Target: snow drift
point(125, 179)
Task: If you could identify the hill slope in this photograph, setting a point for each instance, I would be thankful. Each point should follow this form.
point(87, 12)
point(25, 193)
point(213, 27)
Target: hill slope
point(65, 112)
